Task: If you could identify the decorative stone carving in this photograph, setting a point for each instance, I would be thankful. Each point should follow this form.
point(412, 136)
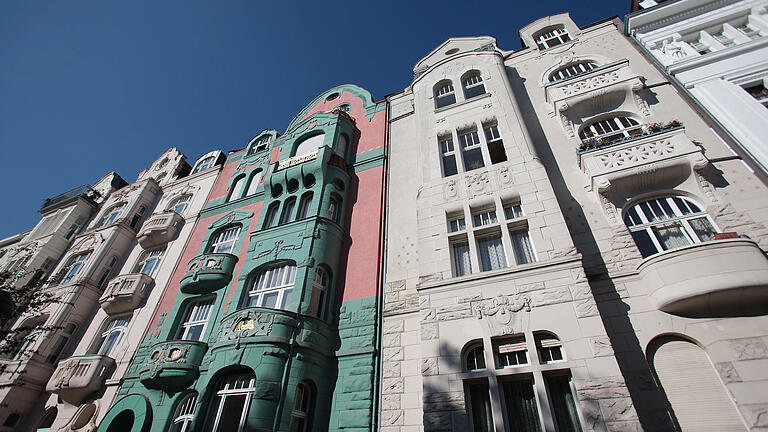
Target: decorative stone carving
point(727, 372)
point(477, 184)
point(246, 323)
point(706, 187)
point(642, 104)
point(417, 72)
point(277, 249)
point(561, 253)
point(601, 346)
point(567, 125)
point(505, 178)
point(490, 46)
point(590, 83)
point(501, 305)
point(640, 153)
point(451, 191)
point(610, 210)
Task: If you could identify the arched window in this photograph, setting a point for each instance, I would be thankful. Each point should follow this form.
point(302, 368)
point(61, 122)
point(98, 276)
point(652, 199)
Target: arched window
point(149, 261)
point(551, 36)
point(28, 340)
point(288, 208)
point(473, 85)
point(61, 343)
point(474, 359)
point(185, 413)
point(319, 293)
point(179, 204)
point(549, 346)
point(237, 188)
point(111, 215)
point(444, 94)
point(334, 208)
point(665, 223)
point(310, 144)
point(228, 408)
point(137, 217)
point(341, 147)
point(572, 69)
point(204, 164)
point(224, 241)
point(49, 416)
point(305, 205)
point(196, 320)
point(611, 128)
point(260, 144)
point(112, 334)
point(254, 183)
point(107, 271)
point(272, 287)
point(270, 218)
point(76, 263)
point(301, 414)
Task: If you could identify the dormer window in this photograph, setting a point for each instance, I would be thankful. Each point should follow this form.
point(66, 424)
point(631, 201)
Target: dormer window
point(473, 85)
point(572, 70)
point(551, 37)
point(444, 94)
point(204, 164)
point(260, 144)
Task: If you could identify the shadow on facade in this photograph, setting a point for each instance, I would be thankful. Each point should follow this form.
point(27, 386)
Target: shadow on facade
point(443, 402)
point(650, 401)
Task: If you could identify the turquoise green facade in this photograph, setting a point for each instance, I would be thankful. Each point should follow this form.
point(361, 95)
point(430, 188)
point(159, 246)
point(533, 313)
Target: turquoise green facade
point(329, 346)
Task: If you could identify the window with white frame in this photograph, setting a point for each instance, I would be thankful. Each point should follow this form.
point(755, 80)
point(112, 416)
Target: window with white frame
point(204, 164)
point(549, 347)
point(196, 320)
point(301, 414)
point(149, 261)
point(253, 185)
point(484, 216)
point(260, 144)
point(456, 223)
point(28, 341)
point(444, 94)
point(513, 210)
point(319, 293)
point(552, 37)
point(474, 358)
point(237, 188)
point(495, 145)
point(490, 251)
point(112, 335)
point(510, 351)
point(185, 413)
point(448, 156)
point(572, 70)
point(611, 128)
point(759, 92)
point(471, 150)
point(473, 85)
point(272, 287)
point(179, 204)
point(74, 266)
point(462, 262)
point(111, 215)
point(228, 409)
point(665, 223)
point(224, 241)
point(522, 245)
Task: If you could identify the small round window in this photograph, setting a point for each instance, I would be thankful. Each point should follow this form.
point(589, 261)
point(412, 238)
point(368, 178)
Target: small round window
point(331, 96)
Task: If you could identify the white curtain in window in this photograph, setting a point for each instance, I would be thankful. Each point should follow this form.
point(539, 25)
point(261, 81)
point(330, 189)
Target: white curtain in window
point(491, 253)
point(671, 236)
point(521, 243)
point(703, 229)
point(461, 261)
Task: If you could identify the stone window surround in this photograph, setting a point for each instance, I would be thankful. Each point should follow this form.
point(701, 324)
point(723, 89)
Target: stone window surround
point(458, 151)
point(535, 368)
point(470, 232)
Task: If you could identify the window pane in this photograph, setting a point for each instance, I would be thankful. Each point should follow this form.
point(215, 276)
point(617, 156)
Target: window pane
point(461, 261)
point(671, 236)
point(449, 165)
point(232, 413)
point(703, 229)
point(473, 159)
point(497, 152)
point(521, 243)
point(480, 401)
point(194, 333)
point(561, 398)
point(270, 300)
point(491, 253)
point(520, 400)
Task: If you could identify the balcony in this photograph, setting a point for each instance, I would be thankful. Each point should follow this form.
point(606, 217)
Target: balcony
point(638, 161)
point(172, 365)
point(125, 293)
point(78, 377)
point(159, 229)
point(716, 278)
point(207, 273)
point(616, 77)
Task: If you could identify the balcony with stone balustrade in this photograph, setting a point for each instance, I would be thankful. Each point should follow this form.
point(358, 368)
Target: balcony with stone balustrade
point(125, 293)
point(78, 377)
point(159, 229)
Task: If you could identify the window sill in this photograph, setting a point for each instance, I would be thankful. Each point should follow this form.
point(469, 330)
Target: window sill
point(464, 102)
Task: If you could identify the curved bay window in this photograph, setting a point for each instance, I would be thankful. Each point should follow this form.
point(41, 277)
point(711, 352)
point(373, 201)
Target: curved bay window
point(259, 144)
point(473, 85)
point(149, 261)
point(185, 413)
point(74, 266)
point(272, 287)
point(610, 129)
point(228, 408)
point(665, 223)
point(301, 414)
point(224, 242)
point(572, 70)
point(204, 164)
point(444, 94)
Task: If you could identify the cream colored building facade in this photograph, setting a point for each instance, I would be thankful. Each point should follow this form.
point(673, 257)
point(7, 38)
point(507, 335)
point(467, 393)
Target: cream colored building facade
point(567, 246)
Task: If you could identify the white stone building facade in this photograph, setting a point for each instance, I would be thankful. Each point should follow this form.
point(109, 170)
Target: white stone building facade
point(567, 246)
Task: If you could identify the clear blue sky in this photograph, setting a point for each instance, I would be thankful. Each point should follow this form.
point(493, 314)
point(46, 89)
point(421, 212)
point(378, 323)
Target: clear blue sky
point(92, 87)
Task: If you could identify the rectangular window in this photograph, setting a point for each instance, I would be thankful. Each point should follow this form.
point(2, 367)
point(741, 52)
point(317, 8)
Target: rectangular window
point(491, 252)
point(520, 403)
point(480, 405)
point(196, 320)
point(523, 248)
point(513, 211)
point(225, 241)
point(563, 405)
point(448, 157)
point(749, 31)
point(471, 151)
point(456, 224)
point(759, 92)
point(495, 145)
point(462, 265)
point(484, 217)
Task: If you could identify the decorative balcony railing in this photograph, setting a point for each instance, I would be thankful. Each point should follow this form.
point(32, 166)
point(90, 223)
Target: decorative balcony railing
point(78, 377)
point(575, 88)
point(666, 152)
point(715, 278)
point(207, 273)
point(172, 365)
point(125, 292)
point(159, 229)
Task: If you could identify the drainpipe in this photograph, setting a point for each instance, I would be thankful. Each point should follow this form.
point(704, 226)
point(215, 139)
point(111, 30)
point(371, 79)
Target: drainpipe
point(286, 374)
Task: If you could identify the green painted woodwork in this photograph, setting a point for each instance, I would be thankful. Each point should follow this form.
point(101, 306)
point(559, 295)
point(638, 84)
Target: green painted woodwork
point(207, 273)
point(172, 365)
point(138, 405)
point(369, 106)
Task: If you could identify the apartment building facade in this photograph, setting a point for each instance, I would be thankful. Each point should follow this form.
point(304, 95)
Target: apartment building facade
point(270, 322)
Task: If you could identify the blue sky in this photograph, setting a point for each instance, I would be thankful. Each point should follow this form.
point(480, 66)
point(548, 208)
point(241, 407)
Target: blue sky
point(92, 87)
